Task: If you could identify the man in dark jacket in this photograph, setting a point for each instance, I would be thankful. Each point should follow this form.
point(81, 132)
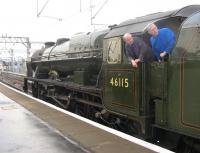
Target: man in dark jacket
point(136, 50)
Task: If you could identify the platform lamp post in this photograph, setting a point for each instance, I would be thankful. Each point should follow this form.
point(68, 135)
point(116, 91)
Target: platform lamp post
point(12, 59)
point(28, 47)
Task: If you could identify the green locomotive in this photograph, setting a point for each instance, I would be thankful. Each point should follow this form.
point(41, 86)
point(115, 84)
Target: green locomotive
point(158, 101)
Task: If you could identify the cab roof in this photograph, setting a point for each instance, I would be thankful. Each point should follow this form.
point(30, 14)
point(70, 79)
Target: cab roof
point(138, 24)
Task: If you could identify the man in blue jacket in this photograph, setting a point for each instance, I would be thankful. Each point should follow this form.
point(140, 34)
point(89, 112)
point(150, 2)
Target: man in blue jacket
point(162, 40)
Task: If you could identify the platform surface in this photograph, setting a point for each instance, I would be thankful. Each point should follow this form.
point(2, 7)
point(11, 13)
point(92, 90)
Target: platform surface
point(23, 132)
point(92, 138)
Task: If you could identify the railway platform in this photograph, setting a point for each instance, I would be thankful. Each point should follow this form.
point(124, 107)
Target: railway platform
point(23, 132)
point(31, 125)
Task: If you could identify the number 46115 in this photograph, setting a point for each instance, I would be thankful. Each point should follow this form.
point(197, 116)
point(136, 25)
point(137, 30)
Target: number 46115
point(119, 82)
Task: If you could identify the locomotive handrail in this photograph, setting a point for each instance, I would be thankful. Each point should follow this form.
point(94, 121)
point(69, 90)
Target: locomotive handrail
point(72, 53)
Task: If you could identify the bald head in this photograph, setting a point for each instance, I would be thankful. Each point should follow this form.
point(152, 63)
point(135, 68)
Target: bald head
point(128, 38)
point(152, 29)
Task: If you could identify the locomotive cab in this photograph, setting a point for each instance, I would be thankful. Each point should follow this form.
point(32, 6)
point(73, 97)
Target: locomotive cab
point(140, 94)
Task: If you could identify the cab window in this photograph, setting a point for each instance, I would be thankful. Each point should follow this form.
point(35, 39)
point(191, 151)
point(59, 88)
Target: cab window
point(113, 50)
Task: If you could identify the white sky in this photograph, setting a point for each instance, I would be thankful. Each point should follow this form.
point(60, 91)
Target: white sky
point(19, 17)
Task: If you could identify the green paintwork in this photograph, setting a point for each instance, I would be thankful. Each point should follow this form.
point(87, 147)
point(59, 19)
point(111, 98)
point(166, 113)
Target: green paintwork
point(157, 78)
point(158, 89)
point(82, 77)
point(160, 112)
point(191, 94)
point(183, 113)
point(121, 96)
point(128, 100)
point(71, 65)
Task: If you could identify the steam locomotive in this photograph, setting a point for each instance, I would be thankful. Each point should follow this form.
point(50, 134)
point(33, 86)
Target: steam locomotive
point(90, 75)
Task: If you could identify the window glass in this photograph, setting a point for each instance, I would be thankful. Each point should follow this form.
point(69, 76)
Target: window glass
point(113, 49)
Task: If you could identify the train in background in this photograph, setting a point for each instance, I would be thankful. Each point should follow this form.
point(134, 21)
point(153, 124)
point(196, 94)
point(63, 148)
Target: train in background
point(90, 75)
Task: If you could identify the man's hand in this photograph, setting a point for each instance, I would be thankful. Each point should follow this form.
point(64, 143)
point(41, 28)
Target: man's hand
point(134, 63)
point(137, 60)
point(163, 54)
